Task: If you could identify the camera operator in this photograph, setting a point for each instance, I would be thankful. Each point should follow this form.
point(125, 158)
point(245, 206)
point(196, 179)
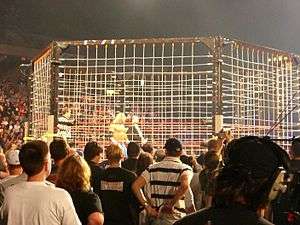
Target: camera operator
point(251, 177)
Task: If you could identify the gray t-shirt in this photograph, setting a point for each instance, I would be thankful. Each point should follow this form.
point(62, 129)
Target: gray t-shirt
point(38, 203)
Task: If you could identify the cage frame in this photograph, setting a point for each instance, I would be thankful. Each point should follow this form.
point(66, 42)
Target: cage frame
point(215, 44)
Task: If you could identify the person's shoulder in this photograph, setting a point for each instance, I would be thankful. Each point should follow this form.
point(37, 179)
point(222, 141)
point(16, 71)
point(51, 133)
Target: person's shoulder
point(84, 195)
point(186, 167)
point(57, 192)
point(127, 173)
point(14, 180)
point(91, 195)
point(5, 182)
point(200, 218)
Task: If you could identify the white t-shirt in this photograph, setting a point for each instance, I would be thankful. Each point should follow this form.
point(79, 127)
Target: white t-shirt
point(37, 203)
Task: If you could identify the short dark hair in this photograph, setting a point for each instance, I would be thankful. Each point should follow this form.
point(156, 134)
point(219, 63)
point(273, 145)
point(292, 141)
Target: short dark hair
point(133, 150)
point(58, 149)
point(32, 157)
point(173, 146)
point(144, 161)
point(211, 160)
point(159, 155)
point(147, 148)
point(91, 150)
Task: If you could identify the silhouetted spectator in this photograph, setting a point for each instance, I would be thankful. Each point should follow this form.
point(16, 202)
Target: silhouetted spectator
point(133, 152)
point(92, 154)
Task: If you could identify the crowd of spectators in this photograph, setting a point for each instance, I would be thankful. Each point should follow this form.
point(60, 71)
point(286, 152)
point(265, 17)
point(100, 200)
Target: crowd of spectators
point(227, 185)
point(231, 183)
point(13, 109)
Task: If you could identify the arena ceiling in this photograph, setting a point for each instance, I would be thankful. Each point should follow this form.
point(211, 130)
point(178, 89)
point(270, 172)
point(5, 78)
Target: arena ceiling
point(33, 23)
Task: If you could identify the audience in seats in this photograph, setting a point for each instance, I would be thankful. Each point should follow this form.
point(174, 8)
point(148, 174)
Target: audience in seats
point(251, 178)
point(35, 202)
point(74, 176)
point(169, 181)
point(13, 112)
point(114, 189)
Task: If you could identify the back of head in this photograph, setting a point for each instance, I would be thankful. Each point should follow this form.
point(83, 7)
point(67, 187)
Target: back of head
point(159, 155)
point(251, 165)
point(32, 157)
point(91, 150)
point(133, 150)
point(173, 147)
point(58, 149)
point(148, 148)
point(144, 161)
point(66, 111)
point(211, 160)
point(74, 174)
point(114, 153)
point(214, 144)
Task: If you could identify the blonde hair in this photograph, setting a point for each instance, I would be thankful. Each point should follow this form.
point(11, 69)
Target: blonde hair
point(74, 174)
point(114, 153)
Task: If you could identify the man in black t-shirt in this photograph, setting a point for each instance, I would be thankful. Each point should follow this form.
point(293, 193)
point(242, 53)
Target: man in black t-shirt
point(133, 152)
point(114, 189)
point(244, 185)
point(92, 154)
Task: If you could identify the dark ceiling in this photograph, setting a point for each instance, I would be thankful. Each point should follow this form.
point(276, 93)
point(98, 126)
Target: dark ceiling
point(34, 23)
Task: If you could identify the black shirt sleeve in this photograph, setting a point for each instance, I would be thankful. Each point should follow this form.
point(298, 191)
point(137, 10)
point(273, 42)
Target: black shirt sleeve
point(93, 203)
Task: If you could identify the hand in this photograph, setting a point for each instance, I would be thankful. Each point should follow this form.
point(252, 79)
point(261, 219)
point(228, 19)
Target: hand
point(144, 141)
point(167, 208)
point(151, 211)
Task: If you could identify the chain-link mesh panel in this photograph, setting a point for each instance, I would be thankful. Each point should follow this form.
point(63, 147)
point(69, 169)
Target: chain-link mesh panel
point(258, 91)
point(167, 85)
point(40, 102)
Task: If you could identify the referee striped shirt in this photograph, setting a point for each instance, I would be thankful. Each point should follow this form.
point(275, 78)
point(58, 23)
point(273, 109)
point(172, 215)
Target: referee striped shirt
point(164, 180)
point(64, 127)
